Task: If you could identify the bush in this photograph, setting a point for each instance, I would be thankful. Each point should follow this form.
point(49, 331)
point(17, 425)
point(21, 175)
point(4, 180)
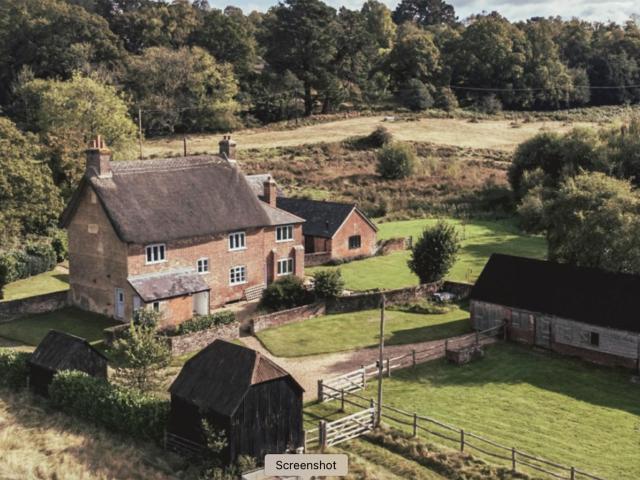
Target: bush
point(396, 161)
point(422, 307)
point(34, 259)
point(415, 96)
point(328, 283)
point(489, 104)
point(13, 368)
point(60, 244)
point(116, 408)
point(379, 137)
point(204, 322)
point(434, 253)
point(287, 292)
point(446, 99)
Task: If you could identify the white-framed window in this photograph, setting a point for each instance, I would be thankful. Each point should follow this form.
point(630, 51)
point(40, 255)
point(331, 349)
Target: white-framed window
point(285, 266)
point(237, 241)
point(203, 265)
point(284, 233)
point(155, 253)
point(238, 275)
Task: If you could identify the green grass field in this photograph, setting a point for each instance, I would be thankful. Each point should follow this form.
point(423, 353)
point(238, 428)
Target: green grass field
point(31, 329)
point(479, 240)
point(558, 408)
point(55, 280)
point(349, 331)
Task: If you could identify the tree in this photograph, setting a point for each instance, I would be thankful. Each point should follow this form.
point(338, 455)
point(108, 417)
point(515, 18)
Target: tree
point(396, 161)
point(424, 12)
point(30, 201)
point(300, 36)
point(415, 95)
point(594, 221)
point(413, 56)
point(286, 292)
point(67, 115)
point(140, 355)
point(184, 90)
point(328, 283)
point(435, 252)
point(379, 23)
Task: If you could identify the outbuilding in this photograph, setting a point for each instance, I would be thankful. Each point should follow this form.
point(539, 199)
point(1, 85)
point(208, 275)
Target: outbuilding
point(60, 351)
point(241, 392)
point(583, 312)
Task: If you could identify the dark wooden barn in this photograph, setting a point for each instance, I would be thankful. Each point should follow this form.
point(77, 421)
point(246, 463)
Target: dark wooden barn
point(238, 390)
point(62, 351)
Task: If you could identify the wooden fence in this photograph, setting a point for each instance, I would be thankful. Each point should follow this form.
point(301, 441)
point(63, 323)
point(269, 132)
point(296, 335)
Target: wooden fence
point(357, 379)
point(346, 428)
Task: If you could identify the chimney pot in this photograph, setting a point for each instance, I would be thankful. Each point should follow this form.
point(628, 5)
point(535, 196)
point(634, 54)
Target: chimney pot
point(98, 159)
point(227, 148)
point(270, 192)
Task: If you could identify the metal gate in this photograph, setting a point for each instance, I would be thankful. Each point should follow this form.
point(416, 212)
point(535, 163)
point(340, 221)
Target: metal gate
point(543, 332)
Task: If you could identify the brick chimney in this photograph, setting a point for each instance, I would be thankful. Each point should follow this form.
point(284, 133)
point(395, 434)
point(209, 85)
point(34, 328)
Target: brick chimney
point(227, 148)
point(98, 159)
point(270, 192)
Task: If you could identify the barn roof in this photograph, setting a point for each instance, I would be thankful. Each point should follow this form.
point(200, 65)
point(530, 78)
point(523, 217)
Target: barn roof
point(62, 351)
point(220, 375)
point(173, 198)
point(322, 219)
point(588, 295)
point(173, 283)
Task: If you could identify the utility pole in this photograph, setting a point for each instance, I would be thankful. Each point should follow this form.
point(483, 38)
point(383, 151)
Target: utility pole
point(140, 130)
point(184, 145)
point(380, 363)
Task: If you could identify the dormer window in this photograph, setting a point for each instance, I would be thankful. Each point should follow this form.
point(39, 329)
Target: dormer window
point(237, 241)
point(284, 233)
point(155, 253)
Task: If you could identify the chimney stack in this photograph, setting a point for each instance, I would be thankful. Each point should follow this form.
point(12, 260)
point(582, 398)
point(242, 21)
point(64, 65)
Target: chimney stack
point(227, 148)
point(270, 192)
point(98, 159)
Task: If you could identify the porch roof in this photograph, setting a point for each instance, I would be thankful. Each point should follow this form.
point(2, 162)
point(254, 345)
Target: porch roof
point(164, 285)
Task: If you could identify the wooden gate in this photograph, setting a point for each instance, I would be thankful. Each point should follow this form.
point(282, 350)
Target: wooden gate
point(349, 382)
point(346, 428)
point(543, 332)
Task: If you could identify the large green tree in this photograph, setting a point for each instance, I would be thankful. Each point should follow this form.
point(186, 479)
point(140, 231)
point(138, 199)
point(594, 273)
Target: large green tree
point(435, 252)
point(424, 12)
point(413, 56)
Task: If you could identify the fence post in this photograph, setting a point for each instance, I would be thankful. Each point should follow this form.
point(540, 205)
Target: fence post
point(342, 399)
point(477, 338)
point(573, 473)
point(304, 441)
point(413, 357)
point(513, 459)
point(364, 377)
point(461, 440)
point(388, 368)
point(164, 438)
point(322, 433)
point(372, 406)
point(320, 391)
point(415, 424)
point(446, 345)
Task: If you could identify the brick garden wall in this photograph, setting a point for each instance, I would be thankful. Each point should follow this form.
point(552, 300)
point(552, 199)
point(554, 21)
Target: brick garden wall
point(39, 304)
point(313, 259)
point(195, 341)
point(284, 317)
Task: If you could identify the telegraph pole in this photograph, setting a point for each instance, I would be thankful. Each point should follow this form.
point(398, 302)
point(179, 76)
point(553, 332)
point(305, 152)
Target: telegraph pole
point(380, 362)
point(140, 130)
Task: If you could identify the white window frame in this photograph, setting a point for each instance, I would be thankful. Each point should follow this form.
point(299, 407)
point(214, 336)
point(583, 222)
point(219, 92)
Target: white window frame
point(289, 263)
point(281, 231)
point(204, 261)
point(234, 274)
point(234, 240)
point(161, 248)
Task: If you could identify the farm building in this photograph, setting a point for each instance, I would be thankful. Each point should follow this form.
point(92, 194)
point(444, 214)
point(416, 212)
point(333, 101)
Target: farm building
point(62, 351)
point(583, 312)
point(256, 403)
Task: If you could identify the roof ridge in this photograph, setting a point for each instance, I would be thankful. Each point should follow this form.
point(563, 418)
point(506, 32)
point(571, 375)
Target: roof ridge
point(166, 164)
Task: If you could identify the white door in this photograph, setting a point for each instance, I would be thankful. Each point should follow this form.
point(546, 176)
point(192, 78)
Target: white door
point(201, 303)
point(119, 313)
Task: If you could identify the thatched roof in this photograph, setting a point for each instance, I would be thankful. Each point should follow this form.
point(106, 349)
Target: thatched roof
point(256, 182)
point(220, 375)
point(173, 198)
point(63, 351)
point(322, 219)
point(162, 285)
point(588, 295)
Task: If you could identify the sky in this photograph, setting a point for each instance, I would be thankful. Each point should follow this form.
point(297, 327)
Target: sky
point(595, 10)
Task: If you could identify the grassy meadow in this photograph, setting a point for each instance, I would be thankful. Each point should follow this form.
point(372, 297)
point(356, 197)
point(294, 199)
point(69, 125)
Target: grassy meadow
point(55, 280)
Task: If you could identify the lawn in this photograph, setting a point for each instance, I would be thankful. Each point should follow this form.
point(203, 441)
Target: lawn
point(350, 331)
point(32, 328)
point(551, 406)
point(55, 280)
point(479, 240)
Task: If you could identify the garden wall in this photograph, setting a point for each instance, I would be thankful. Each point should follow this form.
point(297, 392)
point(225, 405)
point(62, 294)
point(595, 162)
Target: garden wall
point(461, 290)
point(385, 247)
point(192, 342)
point(38, 304)
point(314, 259)
point(284, 317)
point(371, 300)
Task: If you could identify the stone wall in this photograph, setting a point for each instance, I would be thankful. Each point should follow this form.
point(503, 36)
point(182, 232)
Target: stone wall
point(111, 334)
point(284, 317)
point(390, 245)
point(313, 259)
point(192, 342)
point(39, 304)
point(461, 290)
point(371, 300)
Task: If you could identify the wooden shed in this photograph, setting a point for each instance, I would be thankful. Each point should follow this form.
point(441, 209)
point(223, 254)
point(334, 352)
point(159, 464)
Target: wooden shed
point(583, 312)
point(62, 351)
point(238, 390)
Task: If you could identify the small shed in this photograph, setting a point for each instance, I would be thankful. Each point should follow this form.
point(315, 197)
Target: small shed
point(62, 351)
point(239, 391)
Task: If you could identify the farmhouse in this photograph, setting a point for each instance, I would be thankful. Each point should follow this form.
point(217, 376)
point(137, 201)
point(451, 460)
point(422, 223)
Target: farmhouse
point(62, 351)
point(179, 235)
point(583, 312)
point(236, 389)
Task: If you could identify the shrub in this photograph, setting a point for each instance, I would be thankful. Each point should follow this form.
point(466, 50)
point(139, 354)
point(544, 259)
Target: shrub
point(13, 368)
point(204, 322)
point(423, 307)
point(489, 104)
point(446, 99)
point(434, 253)
point(116, 408)
point(415, 95)
point(34, 259)
point(379, 137)
point(328, 283)
point(396, 161)
point(60, 244)
point(287, 292)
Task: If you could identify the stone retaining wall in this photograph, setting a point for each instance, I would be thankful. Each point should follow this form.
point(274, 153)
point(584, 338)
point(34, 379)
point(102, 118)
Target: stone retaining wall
point(48, 302)
point(371, 300)
point(195, 341)
point(461, 290)
point(313, 259)
point(284, 317)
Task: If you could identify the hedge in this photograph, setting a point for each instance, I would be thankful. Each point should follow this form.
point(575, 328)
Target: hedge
point(13, 368)
point(35, 258)
point(116, 408)
point(203, 322)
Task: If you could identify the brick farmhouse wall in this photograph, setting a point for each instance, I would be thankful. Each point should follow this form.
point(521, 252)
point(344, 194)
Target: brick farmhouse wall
point(48, 302)
point(191, 342)
point(284, 317)
point(355, 224)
